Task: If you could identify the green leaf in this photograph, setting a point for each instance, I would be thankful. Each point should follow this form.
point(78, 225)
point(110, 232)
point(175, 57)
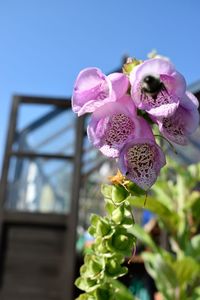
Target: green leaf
point(182, 191)
point(186, 269)
point(161, 191)
point(162, 272)
point(170, 219)
point(193, 248)
point(143, 236)
point(196, 295)
point(121, 292)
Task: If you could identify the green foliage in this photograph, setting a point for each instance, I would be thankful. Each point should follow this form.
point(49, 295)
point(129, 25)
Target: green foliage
point(176, 202)
point(113, 242)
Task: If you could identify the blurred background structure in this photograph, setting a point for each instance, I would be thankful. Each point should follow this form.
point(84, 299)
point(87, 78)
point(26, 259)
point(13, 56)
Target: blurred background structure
point(50, 184)
point(49, 169)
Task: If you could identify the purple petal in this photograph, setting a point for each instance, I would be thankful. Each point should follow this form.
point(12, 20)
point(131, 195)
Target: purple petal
point(164, 110)
point(140, 161)
point(178, 127)
point(120, 84)
point(127, 102)
point(114, 124)
point(154, 66)
point(164, 100)
point(92, 89)
point(175, 83)
point(189, 101)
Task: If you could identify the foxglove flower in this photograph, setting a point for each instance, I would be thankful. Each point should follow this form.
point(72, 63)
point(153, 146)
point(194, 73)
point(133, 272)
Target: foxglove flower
point(157, 87)
point(93, 89)
point(183, 122)
point(141, 160)
point(114, 124)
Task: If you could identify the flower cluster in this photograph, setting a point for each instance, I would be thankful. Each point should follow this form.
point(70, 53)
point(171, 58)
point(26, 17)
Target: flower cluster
point(125, 105)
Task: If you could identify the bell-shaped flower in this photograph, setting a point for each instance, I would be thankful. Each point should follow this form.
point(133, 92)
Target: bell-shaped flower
point(157, 87)
point(93, 89)
point(183, 122)
point(141, 160)
point(114, 124)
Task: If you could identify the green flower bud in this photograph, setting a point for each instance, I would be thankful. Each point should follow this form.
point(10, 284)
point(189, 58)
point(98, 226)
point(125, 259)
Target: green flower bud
point(95, 267)
point(119, 193)
point(100, 245)
point(130, 64)
point(121, 242)
point(86, 284)
point(118, 214)
point(103, 294)
point(114, 269)
point(102, 228)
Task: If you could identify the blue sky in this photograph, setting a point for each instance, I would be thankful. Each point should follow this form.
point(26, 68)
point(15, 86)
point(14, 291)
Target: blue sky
point(45, 43)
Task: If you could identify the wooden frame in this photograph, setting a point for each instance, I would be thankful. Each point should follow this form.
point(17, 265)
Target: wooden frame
point(66, 221)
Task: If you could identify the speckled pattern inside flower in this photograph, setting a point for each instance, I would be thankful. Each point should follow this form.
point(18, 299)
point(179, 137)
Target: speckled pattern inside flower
point(140, 160)
point(119, 128)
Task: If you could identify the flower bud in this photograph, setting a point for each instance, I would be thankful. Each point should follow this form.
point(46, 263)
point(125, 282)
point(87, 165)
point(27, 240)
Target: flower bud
point(118, 214)
point(119, 193)
point(102, 228)
point(130, 64)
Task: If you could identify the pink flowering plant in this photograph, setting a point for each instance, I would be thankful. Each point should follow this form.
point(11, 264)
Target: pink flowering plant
point(129, 111)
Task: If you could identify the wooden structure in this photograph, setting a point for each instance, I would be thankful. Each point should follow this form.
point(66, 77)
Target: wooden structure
point(37, 245)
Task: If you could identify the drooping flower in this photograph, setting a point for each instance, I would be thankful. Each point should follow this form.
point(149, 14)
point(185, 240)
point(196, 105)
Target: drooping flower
point(114, 124)
point(93, 89)
point(157, 87)
point(141, 160)
point(183, 122)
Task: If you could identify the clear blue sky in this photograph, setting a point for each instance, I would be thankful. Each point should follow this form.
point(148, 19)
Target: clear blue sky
point(45, 43)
